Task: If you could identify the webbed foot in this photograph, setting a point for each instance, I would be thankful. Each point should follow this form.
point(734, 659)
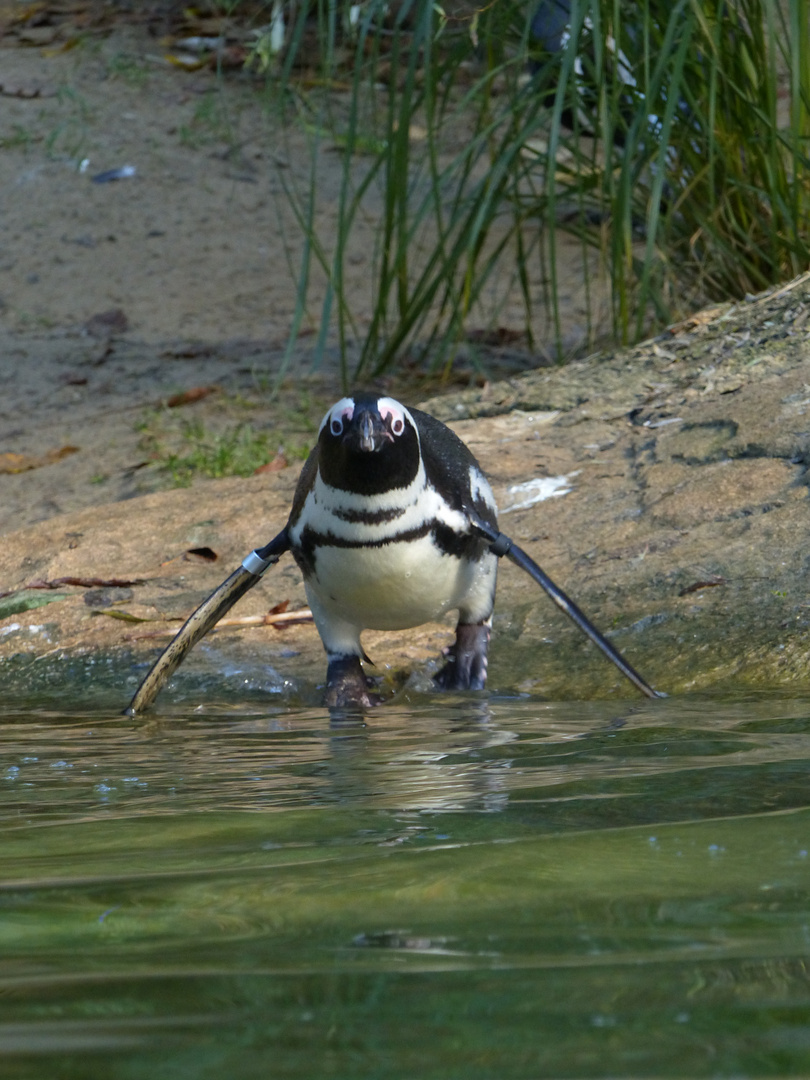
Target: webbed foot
point(466, 667)
point(347, 685)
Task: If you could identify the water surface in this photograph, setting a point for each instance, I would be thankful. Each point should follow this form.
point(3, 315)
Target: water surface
point(463, 886)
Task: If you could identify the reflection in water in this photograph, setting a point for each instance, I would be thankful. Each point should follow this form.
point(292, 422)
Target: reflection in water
point(456, 886)
point(455, 771)
point(472, 755)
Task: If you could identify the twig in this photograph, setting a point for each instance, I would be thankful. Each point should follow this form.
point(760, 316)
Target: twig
point(291, 618)
point(800, 280)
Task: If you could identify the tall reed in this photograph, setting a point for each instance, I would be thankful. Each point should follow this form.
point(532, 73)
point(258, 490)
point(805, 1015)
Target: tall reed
point(671, 138)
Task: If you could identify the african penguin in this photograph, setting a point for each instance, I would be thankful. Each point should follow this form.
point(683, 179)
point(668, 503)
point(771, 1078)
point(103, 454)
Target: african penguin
point(380, 529)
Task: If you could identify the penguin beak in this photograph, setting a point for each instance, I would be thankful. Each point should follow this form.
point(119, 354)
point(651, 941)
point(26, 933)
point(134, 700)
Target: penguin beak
point(367, 431)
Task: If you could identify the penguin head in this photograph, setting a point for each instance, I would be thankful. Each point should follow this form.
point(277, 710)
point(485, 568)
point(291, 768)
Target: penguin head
point(368, 444)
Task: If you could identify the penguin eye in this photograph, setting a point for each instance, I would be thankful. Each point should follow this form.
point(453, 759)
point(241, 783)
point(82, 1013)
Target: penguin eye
point(336, 425)
point(397, 425)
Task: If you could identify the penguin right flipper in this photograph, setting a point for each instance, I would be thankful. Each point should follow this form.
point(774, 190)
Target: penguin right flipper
point(500, 545)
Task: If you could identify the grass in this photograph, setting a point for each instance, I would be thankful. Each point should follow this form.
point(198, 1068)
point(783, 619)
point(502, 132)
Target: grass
point(130, 69)
point(668, 139)
point(238, 451)
point(20, 138)
point(69, 137)
point(184, 450)
point(210, 123)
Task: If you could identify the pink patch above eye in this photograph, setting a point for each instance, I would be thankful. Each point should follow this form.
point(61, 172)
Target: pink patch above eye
point(340, 419)
point(396, 417)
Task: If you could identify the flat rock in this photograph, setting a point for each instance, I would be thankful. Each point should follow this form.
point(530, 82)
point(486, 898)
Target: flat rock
point(663, 487)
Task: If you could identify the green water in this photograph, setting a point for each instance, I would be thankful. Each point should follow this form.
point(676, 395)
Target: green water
point(461, 887)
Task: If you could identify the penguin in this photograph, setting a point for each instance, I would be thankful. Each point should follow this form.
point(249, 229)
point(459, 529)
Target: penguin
point(393, 524)
point(381, 528)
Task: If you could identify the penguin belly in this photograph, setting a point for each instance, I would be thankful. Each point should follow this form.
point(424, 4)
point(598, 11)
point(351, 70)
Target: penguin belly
point(398, 585)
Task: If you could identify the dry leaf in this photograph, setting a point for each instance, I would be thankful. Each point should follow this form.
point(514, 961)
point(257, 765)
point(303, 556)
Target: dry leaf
point(124, 616)
point(700, 318)
point(19, 463)
point(278, 463)
point(86, 583)
point(15, 463)
point(708, 583)
point(82, 582)
point(188, 352)
point(27, 90)
point(205, 554)
point(188, 397)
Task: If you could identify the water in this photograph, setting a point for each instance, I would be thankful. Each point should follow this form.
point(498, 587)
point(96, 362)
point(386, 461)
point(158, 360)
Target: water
point(462, 887)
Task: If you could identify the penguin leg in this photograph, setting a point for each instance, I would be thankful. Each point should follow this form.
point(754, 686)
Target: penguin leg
point(466, 667)
point(347, 684)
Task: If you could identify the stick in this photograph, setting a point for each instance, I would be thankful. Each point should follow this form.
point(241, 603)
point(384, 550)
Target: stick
point(302, 615)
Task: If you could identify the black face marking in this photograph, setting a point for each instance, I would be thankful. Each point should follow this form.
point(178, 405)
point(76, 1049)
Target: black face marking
point(368, 449)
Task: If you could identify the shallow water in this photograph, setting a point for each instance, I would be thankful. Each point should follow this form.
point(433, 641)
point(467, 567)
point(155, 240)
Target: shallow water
point(460, 887)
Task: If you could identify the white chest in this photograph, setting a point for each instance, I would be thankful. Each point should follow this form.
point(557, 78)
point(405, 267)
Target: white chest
point(368, 567)
point(390, 587)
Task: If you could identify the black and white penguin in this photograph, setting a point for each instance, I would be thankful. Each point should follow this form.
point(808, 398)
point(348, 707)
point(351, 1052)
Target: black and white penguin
point(380, 527)
point(393, 524)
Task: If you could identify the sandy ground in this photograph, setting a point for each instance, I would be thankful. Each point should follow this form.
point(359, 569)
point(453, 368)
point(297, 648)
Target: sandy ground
point(191, 262)
point(201, 242)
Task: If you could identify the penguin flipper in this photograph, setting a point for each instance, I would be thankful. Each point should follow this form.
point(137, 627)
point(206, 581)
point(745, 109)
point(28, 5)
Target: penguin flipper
point(500, 545)
point(205, 618)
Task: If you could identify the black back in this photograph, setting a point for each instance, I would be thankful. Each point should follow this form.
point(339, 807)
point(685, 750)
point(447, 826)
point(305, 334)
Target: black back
point(447, 466)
